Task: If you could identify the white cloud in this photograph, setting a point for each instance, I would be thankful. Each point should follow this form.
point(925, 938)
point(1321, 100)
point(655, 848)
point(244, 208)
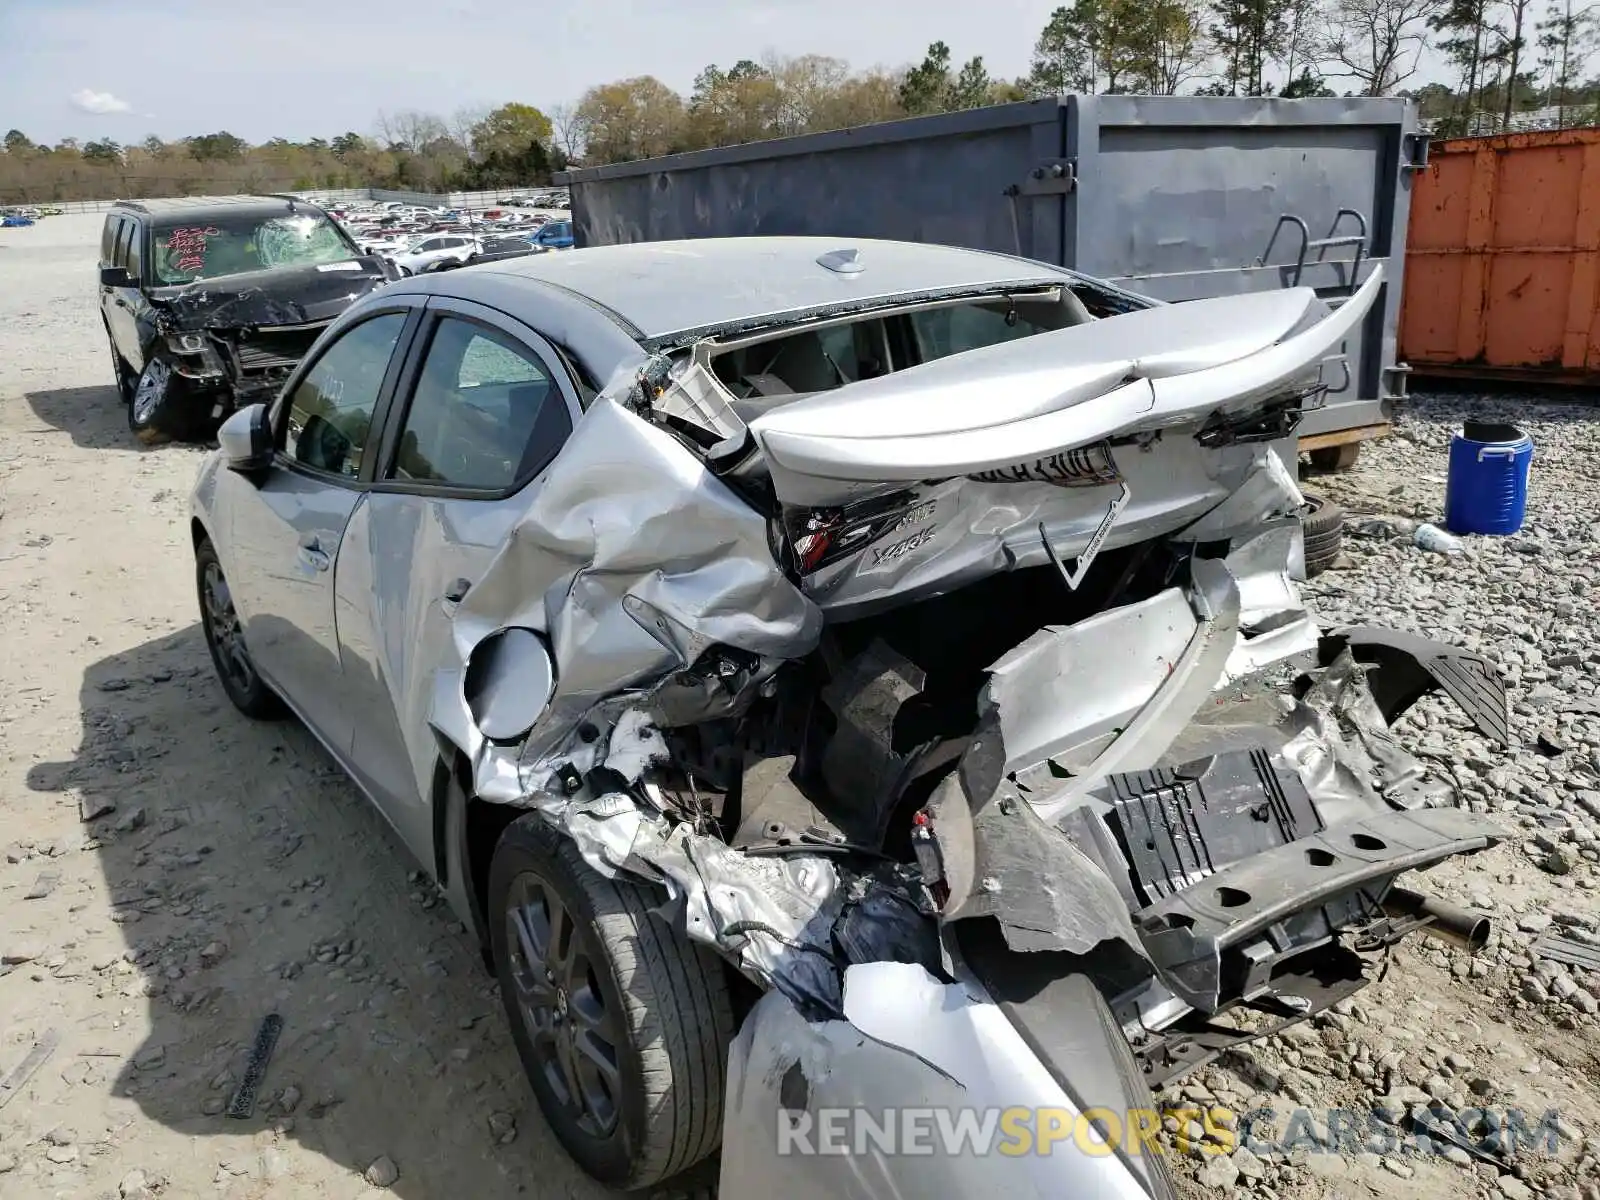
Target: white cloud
point(99, 103)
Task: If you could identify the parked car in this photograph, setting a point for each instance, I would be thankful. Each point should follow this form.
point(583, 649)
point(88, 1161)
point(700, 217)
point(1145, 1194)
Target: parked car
point(427, 251)
point(208, 303)
point(385, 244)
point(489, 249)
point(553, 235)
point(840, 676)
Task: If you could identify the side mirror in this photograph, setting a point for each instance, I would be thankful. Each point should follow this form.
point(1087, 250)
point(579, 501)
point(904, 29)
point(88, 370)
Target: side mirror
point(246, 439)
point(116, 277)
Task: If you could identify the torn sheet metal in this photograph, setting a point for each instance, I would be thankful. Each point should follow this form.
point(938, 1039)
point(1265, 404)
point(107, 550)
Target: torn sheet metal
point(631, 559)
point(1274, 623)
point(773, 916)
point(1001, 860)
point(1037, 689)
point(1269, 489)
point(1344, 744)
point(1173, 688)
point(962, 529)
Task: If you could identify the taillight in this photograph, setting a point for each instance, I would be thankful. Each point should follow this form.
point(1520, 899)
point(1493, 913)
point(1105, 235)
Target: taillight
point(821, 536)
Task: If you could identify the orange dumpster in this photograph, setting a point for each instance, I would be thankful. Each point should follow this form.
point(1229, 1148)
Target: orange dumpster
point(1503, 259)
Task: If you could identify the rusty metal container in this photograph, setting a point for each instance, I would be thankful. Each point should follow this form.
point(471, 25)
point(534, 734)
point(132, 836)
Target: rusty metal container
point(1503, 259)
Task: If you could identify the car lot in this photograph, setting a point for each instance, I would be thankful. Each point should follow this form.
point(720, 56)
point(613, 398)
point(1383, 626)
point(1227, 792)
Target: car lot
point(237, 874)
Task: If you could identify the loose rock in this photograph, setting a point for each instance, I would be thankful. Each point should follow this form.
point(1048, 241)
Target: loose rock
point(382, 1173)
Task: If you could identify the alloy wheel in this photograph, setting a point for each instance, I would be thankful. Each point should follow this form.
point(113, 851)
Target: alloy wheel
point(573, 1031)
point(152, 386)
point(222, 625)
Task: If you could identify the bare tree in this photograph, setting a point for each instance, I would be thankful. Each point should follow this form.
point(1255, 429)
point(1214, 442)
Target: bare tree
point(1177, 48)
point(1302, 46)
point(1510, 53)
point(1377, 43)
point(571, 129)
point(410, 130)
point(463, 121)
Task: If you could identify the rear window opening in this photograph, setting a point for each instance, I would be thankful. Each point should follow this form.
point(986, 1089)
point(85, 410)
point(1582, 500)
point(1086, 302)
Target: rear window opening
point(721, 386)
point(761, 374)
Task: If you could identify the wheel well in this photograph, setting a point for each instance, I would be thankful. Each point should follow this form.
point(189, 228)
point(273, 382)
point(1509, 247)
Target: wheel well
point(485, 822)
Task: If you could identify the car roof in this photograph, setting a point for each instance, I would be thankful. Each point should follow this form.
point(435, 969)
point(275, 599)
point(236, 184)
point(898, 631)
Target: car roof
point(666, 289)
point(190, 205)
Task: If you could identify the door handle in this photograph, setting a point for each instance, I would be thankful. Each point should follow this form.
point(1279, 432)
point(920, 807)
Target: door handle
point(313, 555)
point(457, 591)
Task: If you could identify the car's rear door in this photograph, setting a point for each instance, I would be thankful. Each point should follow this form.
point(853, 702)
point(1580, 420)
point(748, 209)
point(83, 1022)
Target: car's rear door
point(482, 407)
point(286, 528)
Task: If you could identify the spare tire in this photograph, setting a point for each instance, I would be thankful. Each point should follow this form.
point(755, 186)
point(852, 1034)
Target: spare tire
point(1322, 525)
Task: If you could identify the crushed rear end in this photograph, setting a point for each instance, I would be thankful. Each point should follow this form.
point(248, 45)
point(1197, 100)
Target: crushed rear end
point(978, 720)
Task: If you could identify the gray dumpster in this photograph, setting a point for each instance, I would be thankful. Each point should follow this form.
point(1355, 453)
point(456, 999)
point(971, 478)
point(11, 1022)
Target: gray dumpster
point(1175, 197)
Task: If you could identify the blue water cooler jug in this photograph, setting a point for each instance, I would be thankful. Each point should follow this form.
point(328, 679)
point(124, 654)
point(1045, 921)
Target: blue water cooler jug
point(1487, 490)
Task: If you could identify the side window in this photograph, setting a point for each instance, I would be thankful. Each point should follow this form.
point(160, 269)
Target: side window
point(108, 239)
point(485, 413)
point(119, 257)
point(330, 412)
point(135, 250)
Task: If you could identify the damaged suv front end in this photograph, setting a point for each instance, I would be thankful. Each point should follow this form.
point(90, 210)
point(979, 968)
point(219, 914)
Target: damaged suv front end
point(209, 303)
point(241, 335)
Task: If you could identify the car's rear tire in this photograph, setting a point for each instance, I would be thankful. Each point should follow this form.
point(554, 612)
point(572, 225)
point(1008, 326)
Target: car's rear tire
point(224, 634)
point(591, 981)
point(1322, 527)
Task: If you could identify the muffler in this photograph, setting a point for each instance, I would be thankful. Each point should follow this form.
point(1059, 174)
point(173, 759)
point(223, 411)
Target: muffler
point(1460, 927)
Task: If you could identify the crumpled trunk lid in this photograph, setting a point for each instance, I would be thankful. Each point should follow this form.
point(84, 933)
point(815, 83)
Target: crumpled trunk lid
point(1021, 401)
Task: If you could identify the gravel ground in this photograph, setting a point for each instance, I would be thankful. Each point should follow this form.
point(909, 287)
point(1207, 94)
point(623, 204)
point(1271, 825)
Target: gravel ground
point(173, 872)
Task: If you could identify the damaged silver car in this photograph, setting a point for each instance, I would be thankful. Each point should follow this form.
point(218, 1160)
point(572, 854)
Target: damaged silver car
point(836, 677)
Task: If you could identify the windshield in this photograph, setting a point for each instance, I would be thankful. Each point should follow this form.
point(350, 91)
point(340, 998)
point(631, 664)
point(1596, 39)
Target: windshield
point(229, 245)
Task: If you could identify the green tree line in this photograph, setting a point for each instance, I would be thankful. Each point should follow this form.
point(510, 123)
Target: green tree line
point(1507, 57)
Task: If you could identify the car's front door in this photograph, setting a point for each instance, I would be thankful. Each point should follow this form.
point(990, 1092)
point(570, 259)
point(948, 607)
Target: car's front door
point(286, 535)
point(482, 409)
point(123, 304)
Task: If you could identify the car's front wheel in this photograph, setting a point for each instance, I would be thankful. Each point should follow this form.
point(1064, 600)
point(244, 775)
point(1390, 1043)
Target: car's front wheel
point(224, 634)
point(158, 411)
point(622, 1026)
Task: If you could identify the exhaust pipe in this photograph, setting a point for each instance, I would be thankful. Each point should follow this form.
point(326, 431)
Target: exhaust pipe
point(1450, 923)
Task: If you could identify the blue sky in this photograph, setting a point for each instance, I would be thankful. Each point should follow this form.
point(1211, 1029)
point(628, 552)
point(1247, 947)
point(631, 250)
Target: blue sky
point(124, 69)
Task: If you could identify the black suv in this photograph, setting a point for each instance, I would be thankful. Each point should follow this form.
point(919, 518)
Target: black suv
point(210, 302)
